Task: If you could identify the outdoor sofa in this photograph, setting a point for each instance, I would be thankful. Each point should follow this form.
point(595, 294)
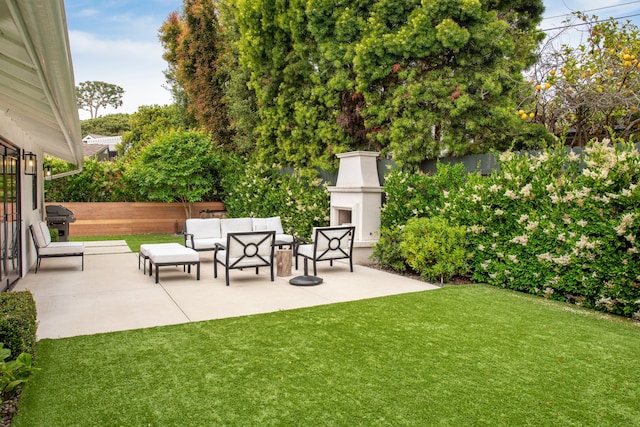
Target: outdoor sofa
point(203, 234)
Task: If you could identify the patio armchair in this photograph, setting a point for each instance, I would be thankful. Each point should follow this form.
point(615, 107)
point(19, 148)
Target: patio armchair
point(45, 248)
point(245, 249)
point(329, 243)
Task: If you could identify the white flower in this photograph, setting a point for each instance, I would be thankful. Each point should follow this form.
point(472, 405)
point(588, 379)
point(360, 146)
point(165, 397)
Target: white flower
point(505, 156)
point(523, 218)
point(477, 229)
point(573, 156)
point(562, 260)
point(521, 240)
point(526, 190)
point(532, 225)
point(582, 223)
point(545, 257)
point(510, 194)
point(626, 221)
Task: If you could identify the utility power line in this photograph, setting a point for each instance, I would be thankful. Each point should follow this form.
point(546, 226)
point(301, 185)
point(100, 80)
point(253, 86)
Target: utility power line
point(593, 10)
point(562, 27)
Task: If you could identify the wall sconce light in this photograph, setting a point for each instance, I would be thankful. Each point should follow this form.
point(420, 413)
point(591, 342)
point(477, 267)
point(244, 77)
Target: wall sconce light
point(30, 162)
point(47, 172)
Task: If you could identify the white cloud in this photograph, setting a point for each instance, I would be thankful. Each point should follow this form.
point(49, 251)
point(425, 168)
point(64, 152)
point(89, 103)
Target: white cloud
point(137, 67)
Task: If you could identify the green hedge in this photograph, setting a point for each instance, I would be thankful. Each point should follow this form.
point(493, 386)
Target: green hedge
point(559, 224)
point(18, 322)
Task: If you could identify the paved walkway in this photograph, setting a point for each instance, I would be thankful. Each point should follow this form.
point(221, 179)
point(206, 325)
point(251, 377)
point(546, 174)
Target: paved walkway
point(113, 295)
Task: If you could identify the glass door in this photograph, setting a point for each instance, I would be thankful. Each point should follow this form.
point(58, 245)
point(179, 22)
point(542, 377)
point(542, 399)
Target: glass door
point(10, 259)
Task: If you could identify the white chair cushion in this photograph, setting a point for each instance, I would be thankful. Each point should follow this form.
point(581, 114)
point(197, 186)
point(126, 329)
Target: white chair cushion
point(232, 225)
point(330, 243)
point(203, 228)
point(42, 234)
point(62, 248)
point(305, 250)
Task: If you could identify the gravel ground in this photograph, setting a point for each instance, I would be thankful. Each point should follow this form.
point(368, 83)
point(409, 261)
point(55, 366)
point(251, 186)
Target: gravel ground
point(8, 409)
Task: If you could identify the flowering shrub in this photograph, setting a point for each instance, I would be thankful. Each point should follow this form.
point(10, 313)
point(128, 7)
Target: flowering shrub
point(558, 224)
point(416, 194)
point(301, 200)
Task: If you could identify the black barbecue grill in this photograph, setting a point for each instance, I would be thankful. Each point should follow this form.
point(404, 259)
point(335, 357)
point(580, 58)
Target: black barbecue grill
point(59, 218)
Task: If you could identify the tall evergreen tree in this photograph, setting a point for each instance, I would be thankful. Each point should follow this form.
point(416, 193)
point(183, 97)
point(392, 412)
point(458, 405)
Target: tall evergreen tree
point(193, 48)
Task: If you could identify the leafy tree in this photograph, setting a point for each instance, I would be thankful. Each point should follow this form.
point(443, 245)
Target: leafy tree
point(589, 88)
point(411, 78)
point(146, 124)
point(93, 95)
point(440, 76)
point(98, 182)
point(176, 166)
point(194, 49)
point(111, 124)
point(297, 103)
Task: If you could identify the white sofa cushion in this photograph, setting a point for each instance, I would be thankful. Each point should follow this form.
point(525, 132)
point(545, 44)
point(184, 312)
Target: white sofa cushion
point(233, 225)
point(201, 244)
point(268, 224)
point(203, 228)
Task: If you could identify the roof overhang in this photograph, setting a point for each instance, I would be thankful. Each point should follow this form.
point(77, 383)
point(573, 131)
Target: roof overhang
point(37, 87)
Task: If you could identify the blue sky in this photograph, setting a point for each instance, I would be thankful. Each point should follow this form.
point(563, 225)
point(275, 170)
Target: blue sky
point(116, 41)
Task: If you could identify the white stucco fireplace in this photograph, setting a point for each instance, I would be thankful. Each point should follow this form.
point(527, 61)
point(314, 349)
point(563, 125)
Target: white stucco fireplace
point(356, 199)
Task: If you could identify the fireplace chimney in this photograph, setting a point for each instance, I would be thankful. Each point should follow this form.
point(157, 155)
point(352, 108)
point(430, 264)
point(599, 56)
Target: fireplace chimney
point(356, 198)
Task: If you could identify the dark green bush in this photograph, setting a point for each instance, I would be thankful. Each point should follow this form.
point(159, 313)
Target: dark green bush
point(18, 321)
point(386, 252)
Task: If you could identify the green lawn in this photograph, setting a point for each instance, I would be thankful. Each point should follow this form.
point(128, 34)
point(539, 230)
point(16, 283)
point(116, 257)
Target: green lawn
point(463, 355)
point(134, 240)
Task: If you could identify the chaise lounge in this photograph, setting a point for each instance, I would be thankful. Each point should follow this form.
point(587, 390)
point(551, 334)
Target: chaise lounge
point(45, 248)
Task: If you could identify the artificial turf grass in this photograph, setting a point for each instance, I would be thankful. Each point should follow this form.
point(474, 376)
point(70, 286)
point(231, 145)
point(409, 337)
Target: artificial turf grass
point(469, 355)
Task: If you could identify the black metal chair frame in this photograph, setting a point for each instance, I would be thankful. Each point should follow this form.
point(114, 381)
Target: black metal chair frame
point(250, 251)
point(335, 244)
point(40, 256)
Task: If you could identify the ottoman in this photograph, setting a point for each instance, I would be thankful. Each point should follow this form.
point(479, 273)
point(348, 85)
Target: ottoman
point(164, 254)
point(146, 247)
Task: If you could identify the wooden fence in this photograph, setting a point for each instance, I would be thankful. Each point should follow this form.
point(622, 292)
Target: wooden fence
point(103, 219)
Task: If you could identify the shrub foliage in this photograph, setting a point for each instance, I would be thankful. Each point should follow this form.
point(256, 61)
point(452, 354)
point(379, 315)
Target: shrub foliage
point(560, 224)
point(300, 198)
point(18, 321)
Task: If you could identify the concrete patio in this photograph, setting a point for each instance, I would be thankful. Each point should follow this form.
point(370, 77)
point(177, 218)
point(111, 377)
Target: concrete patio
point(112, 294)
